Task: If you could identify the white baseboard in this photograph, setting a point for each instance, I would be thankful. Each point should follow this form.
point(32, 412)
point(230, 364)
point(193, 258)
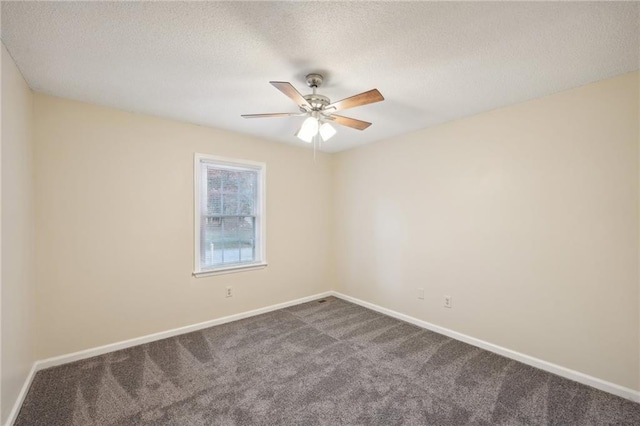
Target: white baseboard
point(101, 350)
point(567, 373)
point(21, 396)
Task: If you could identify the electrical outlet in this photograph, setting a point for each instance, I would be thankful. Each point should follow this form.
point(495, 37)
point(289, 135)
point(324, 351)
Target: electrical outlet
point(229, 292)
point(448, 302)
point(421, 293)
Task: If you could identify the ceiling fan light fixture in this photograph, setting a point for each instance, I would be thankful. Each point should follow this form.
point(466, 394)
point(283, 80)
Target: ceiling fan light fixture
point(308, 129)
point(304, 137)
point(327, 131)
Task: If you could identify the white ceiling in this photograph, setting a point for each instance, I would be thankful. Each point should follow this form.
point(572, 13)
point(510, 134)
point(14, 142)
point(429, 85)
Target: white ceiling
point(207, 63)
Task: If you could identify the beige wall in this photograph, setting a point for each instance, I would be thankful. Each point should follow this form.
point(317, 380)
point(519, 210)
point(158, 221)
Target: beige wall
point(527, 216)
point(17, 224)
point(115, 226)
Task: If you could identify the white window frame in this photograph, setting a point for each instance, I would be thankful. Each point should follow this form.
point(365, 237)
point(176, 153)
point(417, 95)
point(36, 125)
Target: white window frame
point(261, 234)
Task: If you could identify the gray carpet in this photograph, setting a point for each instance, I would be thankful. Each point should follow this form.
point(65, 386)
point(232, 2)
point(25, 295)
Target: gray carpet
point(331, 363)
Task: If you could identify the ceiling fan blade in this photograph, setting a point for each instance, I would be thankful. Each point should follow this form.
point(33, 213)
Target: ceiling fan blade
point(291, 92)
point(276, 114)
point(357, 100)
point(350, 122)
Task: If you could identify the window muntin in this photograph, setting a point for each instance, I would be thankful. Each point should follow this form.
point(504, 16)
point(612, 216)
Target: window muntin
point(230, 214)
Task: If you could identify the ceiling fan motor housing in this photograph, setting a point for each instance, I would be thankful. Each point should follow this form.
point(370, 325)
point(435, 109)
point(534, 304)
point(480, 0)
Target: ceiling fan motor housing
point(317, 102)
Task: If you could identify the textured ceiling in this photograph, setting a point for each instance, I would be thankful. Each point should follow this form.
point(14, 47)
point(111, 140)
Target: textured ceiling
point(207, 63)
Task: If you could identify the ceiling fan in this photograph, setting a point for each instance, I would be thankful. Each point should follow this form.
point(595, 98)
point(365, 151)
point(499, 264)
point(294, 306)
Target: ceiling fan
point(319, 109)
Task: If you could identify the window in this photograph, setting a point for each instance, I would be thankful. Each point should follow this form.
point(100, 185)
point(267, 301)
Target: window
point(230, 220)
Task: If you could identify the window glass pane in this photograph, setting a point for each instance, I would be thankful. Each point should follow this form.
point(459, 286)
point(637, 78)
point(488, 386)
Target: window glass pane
point(214, 178)
point(246, 228)
point(214, 191)
point(230, 181)
point(246, 237)
point(245, 204)
point(247, 182)
point(210, 237)
point(230, 204)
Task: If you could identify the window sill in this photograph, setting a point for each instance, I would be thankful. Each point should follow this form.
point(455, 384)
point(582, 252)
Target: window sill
point(230, 270)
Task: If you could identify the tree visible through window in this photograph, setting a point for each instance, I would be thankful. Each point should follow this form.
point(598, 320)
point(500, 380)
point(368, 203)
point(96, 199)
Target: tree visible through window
point(230, 213)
